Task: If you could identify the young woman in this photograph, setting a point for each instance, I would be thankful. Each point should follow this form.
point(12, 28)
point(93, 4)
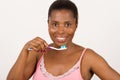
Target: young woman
point(73, 63)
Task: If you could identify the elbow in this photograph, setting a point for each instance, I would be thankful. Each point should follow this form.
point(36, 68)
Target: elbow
point(15, 78)
point(10, 78)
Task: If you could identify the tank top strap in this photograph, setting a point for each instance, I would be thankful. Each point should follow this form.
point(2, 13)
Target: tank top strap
point(39, 61)
point(83, 52)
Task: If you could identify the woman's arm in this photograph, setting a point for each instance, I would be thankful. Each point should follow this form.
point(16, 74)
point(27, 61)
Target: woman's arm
point(101, 68)
point(25, 65)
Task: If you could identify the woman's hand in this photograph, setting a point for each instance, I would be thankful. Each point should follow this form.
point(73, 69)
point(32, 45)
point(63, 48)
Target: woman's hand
point(36, 45)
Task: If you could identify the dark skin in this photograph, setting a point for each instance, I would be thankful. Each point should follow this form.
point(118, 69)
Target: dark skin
point(62, 26)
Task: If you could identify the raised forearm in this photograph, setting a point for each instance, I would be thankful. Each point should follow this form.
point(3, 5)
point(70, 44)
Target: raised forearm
point(27, 60)
point(17, 71)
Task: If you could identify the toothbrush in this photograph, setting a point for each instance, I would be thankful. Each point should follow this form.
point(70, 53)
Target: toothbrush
point(63, 47)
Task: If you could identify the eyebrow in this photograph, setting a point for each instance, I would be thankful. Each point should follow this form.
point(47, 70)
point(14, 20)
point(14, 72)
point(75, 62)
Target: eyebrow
point(58, 21)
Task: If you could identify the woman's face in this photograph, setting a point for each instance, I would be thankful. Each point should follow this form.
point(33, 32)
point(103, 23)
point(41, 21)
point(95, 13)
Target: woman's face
point(62, 26)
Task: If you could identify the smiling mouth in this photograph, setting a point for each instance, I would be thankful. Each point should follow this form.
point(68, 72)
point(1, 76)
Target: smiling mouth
point(61, 39)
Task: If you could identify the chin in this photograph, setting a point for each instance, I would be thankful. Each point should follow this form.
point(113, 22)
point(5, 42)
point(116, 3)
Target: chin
point(59, 44)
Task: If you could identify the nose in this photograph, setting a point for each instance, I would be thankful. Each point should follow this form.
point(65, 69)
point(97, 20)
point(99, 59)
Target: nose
point(61, 29)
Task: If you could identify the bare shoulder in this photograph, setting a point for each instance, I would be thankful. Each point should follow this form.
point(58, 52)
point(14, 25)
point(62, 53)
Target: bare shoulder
point(99, 66)
point(93, 56)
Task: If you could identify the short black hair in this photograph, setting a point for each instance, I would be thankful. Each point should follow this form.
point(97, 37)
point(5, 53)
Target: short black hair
point(64, 4)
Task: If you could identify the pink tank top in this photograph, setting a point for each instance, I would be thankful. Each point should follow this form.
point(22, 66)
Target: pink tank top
point(72, 74)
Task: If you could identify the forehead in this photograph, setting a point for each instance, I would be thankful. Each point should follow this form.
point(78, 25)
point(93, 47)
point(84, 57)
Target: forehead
point(62, 14)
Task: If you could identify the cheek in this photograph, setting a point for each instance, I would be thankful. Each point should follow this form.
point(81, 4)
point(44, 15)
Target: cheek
point(71, 31)
point(51, 30)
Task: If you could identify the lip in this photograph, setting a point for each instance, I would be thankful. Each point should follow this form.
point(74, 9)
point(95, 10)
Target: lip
point(61, 39)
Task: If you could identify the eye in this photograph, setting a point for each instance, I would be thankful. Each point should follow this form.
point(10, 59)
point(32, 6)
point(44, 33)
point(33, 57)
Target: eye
point(67, 24)
point(54, 24)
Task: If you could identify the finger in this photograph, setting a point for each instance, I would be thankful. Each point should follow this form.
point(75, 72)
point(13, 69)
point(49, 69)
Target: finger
point(34, 44)
point(31, 48)
point(42, 43)
point(38, 44)
point(46, 44)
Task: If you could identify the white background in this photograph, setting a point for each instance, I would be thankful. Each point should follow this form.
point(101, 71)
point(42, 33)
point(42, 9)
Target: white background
point(22, 20)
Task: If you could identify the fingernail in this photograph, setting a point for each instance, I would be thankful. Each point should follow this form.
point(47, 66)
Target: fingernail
point(44, 50)
point(49, 47)
point(38, 50)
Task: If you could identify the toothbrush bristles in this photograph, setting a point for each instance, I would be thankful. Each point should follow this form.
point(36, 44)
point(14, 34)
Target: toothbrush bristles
point(61, 48)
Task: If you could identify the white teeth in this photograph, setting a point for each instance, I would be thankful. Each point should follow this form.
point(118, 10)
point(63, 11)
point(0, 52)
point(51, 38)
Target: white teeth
point(61, 38)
